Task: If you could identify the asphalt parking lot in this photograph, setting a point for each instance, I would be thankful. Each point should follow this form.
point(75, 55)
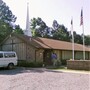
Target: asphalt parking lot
point(43, 79)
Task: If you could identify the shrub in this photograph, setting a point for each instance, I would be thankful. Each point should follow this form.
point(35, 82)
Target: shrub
point(24, 63)
point(64, 62)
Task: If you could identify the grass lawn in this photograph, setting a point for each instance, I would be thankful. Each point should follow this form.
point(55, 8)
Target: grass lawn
point(64, 68)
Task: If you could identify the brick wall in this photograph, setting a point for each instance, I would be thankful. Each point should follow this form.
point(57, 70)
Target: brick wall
point(78, 64)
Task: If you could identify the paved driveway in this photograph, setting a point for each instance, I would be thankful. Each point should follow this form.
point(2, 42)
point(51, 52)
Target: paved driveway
point(43, 79)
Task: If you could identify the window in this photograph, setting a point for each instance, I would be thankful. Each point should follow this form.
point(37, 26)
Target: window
point(1, 55)
point(8, 55)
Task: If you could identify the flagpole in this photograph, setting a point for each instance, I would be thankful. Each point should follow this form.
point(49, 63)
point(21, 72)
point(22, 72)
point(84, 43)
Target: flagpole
point(72, 39)
point(83, 43)
point(81, 23)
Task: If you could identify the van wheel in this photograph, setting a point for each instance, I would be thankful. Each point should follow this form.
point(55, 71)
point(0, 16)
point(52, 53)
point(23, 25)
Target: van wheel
point(11, 66)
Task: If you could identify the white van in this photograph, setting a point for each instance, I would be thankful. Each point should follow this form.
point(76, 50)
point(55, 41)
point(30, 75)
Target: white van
point(8, 59)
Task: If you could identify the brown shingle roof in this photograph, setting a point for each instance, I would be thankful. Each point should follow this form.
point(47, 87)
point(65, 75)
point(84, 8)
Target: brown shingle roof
point(57, 44)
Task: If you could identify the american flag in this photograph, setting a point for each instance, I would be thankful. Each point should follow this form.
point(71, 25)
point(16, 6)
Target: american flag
point(81, 21)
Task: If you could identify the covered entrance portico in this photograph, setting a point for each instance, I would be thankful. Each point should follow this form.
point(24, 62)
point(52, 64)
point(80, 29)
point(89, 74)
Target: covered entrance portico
point(47, 57)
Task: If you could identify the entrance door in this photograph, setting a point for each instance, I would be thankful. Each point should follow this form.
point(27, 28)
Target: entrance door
point(47, 57)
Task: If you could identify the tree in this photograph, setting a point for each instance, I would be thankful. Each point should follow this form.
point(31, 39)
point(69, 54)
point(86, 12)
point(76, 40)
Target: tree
point(6, 14)
point(39, 27)
point(60, 32)
point(87, 40)
point(5, 30)
point(55, 25)
point(78, 38)
point(18, 30)
point(6, 22)
point(57, 31)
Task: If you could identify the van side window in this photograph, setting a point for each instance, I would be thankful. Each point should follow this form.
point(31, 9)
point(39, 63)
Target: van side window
point(1, 55)
point(8, 55)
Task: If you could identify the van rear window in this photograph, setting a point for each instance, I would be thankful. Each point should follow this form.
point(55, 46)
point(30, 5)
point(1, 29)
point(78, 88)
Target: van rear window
point(1, 55)
point(8, 55)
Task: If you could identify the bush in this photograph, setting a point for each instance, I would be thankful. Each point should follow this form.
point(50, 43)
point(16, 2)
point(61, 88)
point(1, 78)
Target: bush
point(24, 63)
point(64, 62)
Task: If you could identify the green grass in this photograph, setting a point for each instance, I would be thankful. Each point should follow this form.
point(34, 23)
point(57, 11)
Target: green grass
point(57, 67)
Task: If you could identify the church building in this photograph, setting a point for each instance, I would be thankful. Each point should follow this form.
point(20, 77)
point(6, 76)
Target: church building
point(39, 49)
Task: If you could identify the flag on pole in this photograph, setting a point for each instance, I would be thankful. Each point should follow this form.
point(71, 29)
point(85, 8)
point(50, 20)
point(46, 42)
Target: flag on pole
point(81, 21)
point(72, 26)
point(71, 21)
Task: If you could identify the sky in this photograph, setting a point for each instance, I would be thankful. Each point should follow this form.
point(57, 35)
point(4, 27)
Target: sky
point(49, 10)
